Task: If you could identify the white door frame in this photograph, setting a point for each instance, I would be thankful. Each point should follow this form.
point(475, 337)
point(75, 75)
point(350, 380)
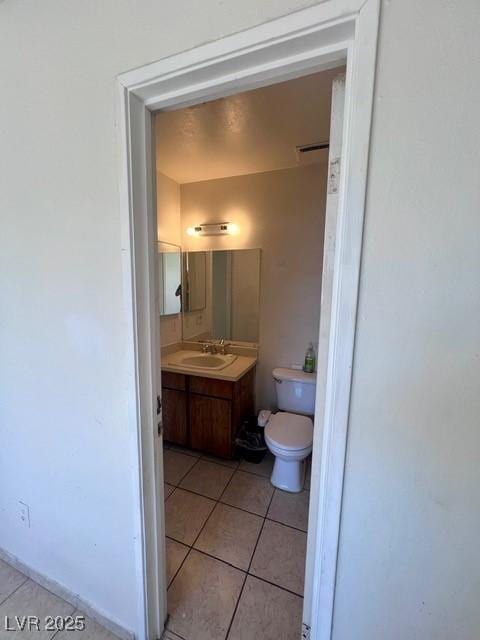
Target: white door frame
point(314, 39)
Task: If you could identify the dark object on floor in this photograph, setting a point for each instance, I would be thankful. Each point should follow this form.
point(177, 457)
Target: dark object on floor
point(250, 442)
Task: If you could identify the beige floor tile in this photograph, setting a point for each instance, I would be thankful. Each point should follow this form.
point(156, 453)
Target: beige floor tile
point(280, 556)
point(176, 553)
point(266, 612)
point(10, 579)
point(207, 478)
point(168, 489)
point(32, 600)
point(249, 492)
point(233, 464)
point(202, 598)
point(290, 508)
point(264, 468)
point(92, 631)
point(185, 515)
point(231, 535)
point(176, 465)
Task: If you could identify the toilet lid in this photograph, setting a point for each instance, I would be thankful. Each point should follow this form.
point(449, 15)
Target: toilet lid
point(290, 431)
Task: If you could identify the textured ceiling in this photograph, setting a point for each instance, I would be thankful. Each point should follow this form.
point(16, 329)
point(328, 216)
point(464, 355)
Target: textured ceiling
point(248, 132)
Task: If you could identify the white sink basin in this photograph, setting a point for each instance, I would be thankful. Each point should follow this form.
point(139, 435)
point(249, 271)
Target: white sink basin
point(195, 360)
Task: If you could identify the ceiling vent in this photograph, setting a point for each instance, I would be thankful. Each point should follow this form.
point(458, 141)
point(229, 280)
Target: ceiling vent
point(311, 153)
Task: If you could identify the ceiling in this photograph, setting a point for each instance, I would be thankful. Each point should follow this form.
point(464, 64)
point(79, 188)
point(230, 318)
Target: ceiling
point(248, 132)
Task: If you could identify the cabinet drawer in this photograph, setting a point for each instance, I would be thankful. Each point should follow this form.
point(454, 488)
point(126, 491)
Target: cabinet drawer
point(211, 387)
point(174, 380)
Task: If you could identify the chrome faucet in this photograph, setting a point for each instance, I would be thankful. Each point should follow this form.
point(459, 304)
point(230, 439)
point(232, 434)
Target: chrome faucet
point(223, 346)
point(209, 347)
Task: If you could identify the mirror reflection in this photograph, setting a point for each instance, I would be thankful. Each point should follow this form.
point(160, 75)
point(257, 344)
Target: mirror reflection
point(221, 295)
point(194, 280)
point(169, 267)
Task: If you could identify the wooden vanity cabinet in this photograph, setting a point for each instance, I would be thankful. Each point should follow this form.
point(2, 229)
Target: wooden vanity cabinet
point(174, 408)
point(210, 421)
point(204, 413)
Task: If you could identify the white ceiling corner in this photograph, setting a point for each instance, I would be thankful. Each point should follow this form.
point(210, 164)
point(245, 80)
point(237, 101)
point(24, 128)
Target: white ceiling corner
point(249, 132)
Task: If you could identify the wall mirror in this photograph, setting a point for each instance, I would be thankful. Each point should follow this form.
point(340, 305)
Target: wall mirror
point(194, 280)
point(169, 270)
point(221, 295)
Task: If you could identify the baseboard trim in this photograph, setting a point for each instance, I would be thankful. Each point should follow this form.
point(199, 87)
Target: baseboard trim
point(62, 592)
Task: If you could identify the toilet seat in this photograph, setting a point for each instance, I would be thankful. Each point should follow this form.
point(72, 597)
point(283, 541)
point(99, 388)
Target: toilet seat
point(289, 431)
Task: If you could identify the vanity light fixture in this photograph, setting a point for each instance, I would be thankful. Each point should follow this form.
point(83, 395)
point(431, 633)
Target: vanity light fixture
point(213, 229)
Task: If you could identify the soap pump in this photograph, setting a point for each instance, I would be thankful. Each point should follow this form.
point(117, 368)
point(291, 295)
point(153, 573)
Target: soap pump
point(309, 365)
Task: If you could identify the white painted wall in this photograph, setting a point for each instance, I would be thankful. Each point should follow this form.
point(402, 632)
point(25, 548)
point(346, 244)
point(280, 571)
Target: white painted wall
point(283, 214)
point(245, 295)
point(409, 563)
point(168, 210)
point(169, 230)
point(65, 445)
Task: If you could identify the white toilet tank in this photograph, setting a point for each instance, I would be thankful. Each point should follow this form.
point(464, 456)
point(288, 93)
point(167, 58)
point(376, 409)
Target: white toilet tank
point(295, 390)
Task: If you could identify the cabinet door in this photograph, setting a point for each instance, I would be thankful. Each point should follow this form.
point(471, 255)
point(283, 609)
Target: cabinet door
point(174, 412)
point(211, 425)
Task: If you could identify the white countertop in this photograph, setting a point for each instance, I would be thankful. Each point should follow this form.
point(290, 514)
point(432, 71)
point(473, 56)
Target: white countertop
point(232, 372)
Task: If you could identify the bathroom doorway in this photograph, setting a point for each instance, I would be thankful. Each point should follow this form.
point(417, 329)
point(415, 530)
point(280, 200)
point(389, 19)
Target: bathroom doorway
point(313, 39)
point(241, 215)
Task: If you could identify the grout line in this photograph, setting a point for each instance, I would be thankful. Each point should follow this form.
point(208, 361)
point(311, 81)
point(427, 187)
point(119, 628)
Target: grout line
point(218, 461)
point(184, 475)
point(183, 451)
point(39, 584)
point(233, 506)
point(178, 570)
point(205, 553)
point(209, 555)
point(227, 485)
point(205, 524)
point(229, 564)
point(274, 584)
point(248, 569)
point(236, 607)
point(290, 526)
point(171, 492)
point(172, 633)
point(260, 534)
point(255, 549)
point(17, 588)
point(217, 502)
point(204, 495)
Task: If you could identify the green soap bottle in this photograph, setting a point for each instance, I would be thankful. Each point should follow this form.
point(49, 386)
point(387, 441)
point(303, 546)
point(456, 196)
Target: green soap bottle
point(309, 366)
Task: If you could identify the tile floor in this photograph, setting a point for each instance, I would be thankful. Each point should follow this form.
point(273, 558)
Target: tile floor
point(235, 550)
point(235, 558)
point(20, 596)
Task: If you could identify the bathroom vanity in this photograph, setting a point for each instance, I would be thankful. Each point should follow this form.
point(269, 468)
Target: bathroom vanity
point(203, 408)
point(208, 375)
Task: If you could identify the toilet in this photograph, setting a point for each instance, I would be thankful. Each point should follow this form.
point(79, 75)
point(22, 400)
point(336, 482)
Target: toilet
point(289, 432)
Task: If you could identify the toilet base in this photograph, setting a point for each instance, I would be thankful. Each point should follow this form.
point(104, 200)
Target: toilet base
point(288, 475)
